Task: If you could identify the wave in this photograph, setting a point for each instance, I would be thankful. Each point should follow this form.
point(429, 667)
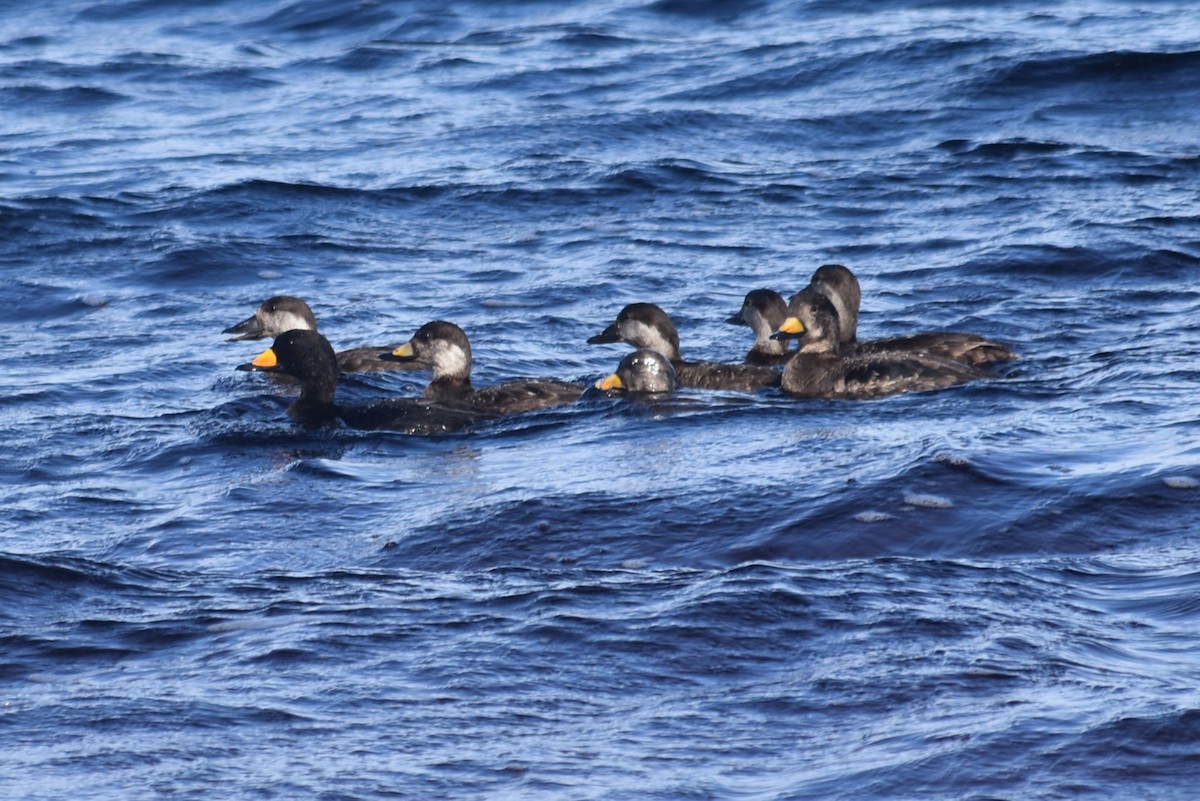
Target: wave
point(66, 100)
point(49, 580)
point(302, 19)
point(1071, 89)
point(1156, 70)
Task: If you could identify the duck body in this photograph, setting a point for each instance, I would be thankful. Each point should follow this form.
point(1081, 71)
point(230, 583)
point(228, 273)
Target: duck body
point(408, 416)
point(718, 375)
point(841, 287)
point(307, 357)
point(647, 326)
point(862, 377)
point(764, 310)
point(970, 349)
point(282, 313)
point(444, 348)
point(823, 368)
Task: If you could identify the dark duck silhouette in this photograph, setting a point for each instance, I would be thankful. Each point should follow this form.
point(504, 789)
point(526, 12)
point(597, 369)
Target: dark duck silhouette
point(764, 310)
point(284, 313)
point(645, 325)
point(841, 286)
point(444, 348)
point(643, 371)
point(822, 367)
point(308, 357)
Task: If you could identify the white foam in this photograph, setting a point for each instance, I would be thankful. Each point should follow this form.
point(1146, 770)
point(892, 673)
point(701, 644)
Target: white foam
point(93, 299)
point(927, 501)
point(1181, 482)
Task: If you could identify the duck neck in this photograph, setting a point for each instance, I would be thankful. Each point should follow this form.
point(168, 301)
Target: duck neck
point(449, 387)
point(770, 347)
point(763, 344)
point(661, 339)
point(847, 311)
point(771, 354)
point(664, 345)
point(824, 346)
point(315, 406)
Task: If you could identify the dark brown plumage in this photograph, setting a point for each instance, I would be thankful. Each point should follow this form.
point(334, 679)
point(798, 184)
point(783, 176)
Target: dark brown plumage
point(823, 369)
point(841, 287)
point(764, 310)
point(444, 348)
point(308, 357)
point(643, 371)
point(645, 325)
point(283, 313)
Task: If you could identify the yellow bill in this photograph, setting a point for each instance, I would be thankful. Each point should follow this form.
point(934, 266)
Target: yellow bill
point(792, 325)
point(612, 382)
point(266, 359)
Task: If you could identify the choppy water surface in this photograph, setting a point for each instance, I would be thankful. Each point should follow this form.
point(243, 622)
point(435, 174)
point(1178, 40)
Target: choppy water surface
point(991, 591)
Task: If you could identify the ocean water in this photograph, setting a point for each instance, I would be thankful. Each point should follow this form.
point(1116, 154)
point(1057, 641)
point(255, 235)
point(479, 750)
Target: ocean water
point(985, 592)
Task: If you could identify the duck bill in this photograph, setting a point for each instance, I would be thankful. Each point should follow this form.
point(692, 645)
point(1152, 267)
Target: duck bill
point(404, 353)
point(250, 328)
point(737, 319)
point(265, 362)
point(612, 382)
point(606, 336)
point(792, 328)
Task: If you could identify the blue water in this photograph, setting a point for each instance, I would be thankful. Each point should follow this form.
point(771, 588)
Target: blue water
point(986, 592)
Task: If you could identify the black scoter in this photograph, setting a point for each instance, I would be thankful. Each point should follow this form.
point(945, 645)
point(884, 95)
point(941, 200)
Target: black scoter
point(643, 371)
point(822, 368)
point(645, 325)
point(841, 286)
point(283, 313)
point(309, 358)
point(444, 348)
point(764, 310)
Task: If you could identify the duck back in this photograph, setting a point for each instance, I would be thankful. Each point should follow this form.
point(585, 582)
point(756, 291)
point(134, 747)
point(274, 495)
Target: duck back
point(717, 375)
point(970, 349)
point(513, 397)
point(865, 376)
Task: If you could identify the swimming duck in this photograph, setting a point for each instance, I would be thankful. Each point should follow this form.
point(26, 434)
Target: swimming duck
point(645, 325)
point(284, 313)
point(764, 310)
point(444, 348)
point(822, 369)
point(643, 371)
point(309, 358)
point(842, 288)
